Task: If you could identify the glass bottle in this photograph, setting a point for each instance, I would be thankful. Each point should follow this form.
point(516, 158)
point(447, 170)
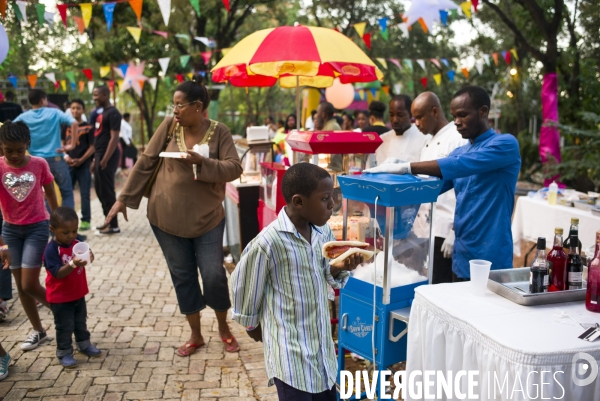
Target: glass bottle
point(538, 279)
point(573, 231)
point(574, 266)
point(592, 295)
point(557, 263)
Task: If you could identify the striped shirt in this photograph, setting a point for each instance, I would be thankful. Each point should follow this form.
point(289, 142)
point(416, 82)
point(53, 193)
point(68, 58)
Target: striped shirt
point(282, 283)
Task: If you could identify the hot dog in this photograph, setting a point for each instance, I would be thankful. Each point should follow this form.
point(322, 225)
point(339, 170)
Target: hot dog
point(338, 251)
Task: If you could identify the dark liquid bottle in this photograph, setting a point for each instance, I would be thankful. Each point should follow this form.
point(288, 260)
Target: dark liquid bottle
point(573, 231)
point(538, 279)
point(592, 295)
point(574, 266)
point(557, 262)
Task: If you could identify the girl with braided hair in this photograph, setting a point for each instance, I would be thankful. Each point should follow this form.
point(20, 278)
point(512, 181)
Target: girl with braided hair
point(25, 230)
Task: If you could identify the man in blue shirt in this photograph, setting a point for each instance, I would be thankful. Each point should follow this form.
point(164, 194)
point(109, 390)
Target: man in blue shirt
point(484, 176)
point(45, 126)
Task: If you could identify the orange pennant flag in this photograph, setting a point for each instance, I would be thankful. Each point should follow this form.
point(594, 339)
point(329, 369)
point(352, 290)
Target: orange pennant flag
point(3, 8)
point(423, 25)
point(141, 84)
point(81, 86)
point(386, 89)
point(137, 7)
point(495, 57)
point(465, 72)
point(32, 80)
point(80, 24)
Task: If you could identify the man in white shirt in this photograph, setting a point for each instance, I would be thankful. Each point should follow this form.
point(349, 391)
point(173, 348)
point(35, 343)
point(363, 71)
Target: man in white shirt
point(443, 139)
point(126, 140)
point(404, 141)
point(309, 125)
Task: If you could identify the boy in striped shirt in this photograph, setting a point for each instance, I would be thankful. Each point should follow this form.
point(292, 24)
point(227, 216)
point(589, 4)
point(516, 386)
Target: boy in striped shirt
point(281, 288)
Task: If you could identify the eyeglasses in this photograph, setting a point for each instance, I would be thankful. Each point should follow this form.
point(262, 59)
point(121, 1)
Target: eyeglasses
point(181, 106)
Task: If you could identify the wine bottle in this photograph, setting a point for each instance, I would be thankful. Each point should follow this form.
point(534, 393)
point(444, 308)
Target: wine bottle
point(573, 231)
point(557, 263)
point(574, 266)
point(538, 279)
point(592, 294)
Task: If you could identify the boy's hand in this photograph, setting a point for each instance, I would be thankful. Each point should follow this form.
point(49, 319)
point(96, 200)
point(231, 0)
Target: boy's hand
point(350, 263)
point(79, 262)
point(255, 334)
point(91, 256)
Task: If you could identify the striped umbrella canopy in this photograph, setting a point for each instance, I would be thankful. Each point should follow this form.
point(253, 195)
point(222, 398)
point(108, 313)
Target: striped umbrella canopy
point(296, 56)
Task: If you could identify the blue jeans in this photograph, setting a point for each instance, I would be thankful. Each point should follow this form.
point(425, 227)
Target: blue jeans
point(83, 176)
point(60, 171)
point(70, 318)
point(26, 243)
point(185, 256)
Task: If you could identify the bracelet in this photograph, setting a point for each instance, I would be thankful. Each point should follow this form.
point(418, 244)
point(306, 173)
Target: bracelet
point(72, 264)
point(250, 328)
point(3, 248)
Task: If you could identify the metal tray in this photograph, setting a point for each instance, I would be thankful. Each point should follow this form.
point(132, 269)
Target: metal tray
point(513, 284)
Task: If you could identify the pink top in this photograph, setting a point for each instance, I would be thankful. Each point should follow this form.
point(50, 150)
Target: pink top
point(22, 194)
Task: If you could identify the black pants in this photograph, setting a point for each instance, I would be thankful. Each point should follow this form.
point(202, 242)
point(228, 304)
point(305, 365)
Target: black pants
point(442, 267)
point(104, 183)
point(69, 319)
point(285, 392)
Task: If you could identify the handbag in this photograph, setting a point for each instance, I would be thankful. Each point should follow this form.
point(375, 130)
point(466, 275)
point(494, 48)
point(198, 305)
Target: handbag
point(160, 160)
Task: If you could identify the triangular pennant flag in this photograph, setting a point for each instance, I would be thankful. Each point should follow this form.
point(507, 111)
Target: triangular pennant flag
point(479, 66)
point(51, 77)
point(190, 75)
point(466, 7)
point(206, 57)
point(17, 12)
point(385, 35)
point(168, 81)
point(153, 82)
point(373, 92)
point(90, 86)
point(40, 9)
point(506, 56)
point(141, 83)
point(409, 64)
point(404, 28)
point(56, 84)
point(196, 7)
point(135, 32)
point(63, 85)
point(486, 58)
point(32, 78)
point(203, 73)
point(72, 85)
point(70, 76)
point(104, 71)
point(225, 51)
point(396, 62)
point(22, 9)
point(382, 62)
point(383, 23)
point(184, 60)
point(451, 74)
point(164, 64)
point(360, 28)
point(162, 33)
point(111, 85)
point(81, 86)
point(436, 63)
point(180, 78)
point(49, 18)
point(136, 5)
point(361, 94)
point(411, 86)
point(123, 68)
point(445, 61)
point(88, 73)
point(120, 83)
point(385, 89)
point(183, 36)
point(165, 10)
point(3, 8)
point(423, 25)
point(438, 79)
point(109, 9)
point(465, 72)
point(62, 10)
point(202, 39)
point(397, 88)
point(80, 24)
point(514, 53)
point(86, 13)
point(495, 57)
point(444, 17)
point(226, 4)
point(421, 62)
point(424, 82)
point(475, 4)
point(367, 39)
point(456, 61)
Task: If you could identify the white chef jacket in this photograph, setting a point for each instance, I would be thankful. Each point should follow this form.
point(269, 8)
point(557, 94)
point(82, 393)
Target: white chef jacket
point(437, 147)
point(406, 147)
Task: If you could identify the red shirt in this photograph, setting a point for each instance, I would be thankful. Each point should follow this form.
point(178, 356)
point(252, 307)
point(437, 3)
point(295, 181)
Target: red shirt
point(69, 288)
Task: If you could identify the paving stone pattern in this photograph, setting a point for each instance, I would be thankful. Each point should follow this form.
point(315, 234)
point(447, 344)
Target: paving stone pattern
point(134, 319)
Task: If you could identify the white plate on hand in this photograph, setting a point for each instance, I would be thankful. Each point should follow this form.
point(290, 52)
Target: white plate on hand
point(174, 155)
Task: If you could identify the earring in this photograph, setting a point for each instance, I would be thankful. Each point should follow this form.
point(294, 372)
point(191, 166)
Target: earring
point(196, 110)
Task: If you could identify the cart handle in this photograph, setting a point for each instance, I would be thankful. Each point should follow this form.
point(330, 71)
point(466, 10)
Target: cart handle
point(401, 316)
point(344, 321)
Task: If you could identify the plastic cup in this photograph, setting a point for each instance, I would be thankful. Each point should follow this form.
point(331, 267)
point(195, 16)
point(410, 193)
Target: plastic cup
point(82, 251)
point(480, 272)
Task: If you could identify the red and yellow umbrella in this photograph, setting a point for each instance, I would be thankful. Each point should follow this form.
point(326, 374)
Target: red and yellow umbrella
point(296, 56)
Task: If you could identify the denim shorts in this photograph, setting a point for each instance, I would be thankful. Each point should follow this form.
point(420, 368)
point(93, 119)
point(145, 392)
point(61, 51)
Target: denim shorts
point(26, 243)
point(188, 256)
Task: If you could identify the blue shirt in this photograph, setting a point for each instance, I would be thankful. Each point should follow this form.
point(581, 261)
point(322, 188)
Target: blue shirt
point(44, 124)
point(484, 176)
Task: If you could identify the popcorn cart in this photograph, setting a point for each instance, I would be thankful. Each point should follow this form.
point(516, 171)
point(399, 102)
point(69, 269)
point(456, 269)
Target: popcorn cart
point(270, 199)
point(375, 302)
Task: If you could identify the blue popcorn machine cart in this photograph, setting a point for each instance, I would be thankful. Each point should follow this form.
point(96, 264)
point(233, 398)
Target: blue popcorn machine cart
point(393, 213)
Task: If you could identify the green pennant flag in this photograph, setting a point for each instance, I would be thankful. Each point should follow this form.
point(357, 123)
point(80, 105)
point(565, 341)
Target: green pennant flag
point(196, 6)
point(385, 34)
point(17, 11)
point(411, 86)
point(454, 13)
point(71, 76)
point(183, 36)
point(168, 81)
point(184, 60)
point(40, 9)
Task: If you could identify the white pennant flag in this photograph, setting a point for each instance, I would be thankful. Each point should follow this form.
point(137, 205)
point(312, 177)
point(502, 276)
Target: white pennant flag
point(404, 28)
point(91, 86)
point(165, 10)
point(49, 18)
point(164, 64)
point(203, 39)
point(486, 57)
point(51, 77)
point(23, 8)
point(397, 89)
point(479, 66)
point(421, 63)
point(153, 82)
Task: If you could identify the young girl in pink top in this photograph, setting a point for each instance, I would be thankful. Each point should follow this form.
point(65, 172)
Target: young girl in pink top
point(25, 229)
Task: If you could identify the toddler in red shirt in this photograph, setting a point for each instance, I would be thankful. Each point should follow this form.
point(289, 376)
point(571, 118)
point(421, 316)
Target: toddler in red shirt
point(66, 288)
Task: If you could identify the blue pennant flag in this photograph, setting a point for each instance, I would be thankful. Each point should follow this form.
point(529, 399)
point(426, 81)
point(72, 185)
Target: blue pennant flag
point(383, 23)
point(109, 9)
point(444, 17)
point(73, 85)
point(373, 92)
point(451, 75)
point(203, 73)
point(123, 68)
point(13, 80)
point(445, 61)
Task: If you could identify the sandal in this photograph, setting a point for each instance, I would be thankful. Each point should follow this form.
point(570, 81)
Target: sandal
point(186, 352)
point(3, 311)
point(231, 345)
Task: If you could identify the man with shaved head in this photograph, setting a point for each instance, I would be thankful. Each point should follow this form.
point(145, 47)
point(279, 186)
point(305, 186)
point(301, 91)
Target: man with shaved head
point(429, 119)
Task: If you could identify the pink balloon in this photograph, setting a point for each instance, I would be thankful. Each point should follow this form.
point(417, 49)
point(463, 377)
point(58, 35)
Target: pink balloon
point(340, 95)
point(3, 44)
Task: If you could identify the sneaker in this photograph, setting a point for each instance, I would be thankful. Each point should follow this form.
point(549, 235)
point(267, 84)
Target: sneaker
point(34, 339)
point(68, 361)
point(102, 227)
point(3, 311)
point(4, 361)
point(91, 351)
point(110, 230)
point(85, 225)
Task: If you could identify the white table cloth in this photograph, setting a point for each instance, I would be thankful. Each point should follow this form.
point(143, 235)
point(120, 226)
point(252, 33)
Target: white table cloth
point(452, 330)
point(536, 218)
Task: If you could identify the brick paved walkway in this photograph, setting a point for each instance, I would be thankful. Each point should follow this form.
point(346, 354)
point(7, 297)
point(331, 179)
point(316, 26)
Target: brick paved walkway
point(135, 321)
